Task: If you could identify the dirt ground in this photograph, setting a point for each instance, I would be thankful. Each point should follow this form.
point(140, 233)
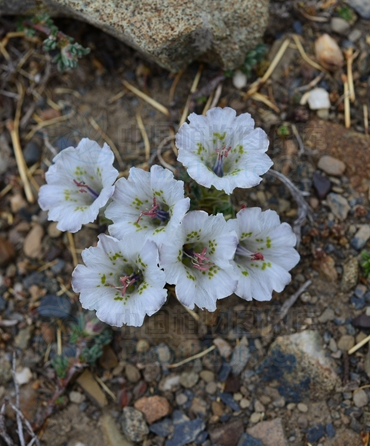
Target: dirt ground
point(56, 111)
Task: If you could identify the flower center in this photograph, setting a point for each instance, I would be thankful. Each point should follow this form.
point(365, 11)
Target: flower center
point(129, 283)
point(85, 189)
point(244, 252)
point(222, 153)
point(197, 260)
point(155, 212)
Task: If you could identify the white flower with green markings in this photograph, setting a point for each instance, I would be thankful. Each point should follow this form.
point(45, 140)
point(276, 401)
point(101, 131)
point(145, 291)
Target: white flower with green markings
point(197, 260)
point(264, 255)
point(148, 204)
point(121, 280)
point(223, 150)
point(79, 184)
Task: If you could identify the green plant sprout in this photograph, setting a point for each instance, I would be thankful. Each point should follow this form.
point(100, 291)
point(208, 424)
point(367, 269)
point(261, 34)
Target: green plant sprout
point(69, 50)
point(365, 255)
point(346, 13)
point(251, 60)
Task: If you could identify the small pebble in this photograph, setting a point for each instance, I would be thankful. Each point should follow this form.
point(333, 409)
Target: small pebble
point(207, 376)
point(331, 165)
point(354, 35)
point(318, 99)
point(339, 25)
point(258, 406)
point(244, 403)
point(328, 53)
point(239, 80)
point(189, 379)
point(346, 342)
point(255, 417)
point(302, 407)
point(327, 315)
point(23, 376)
point(76, 397)
point(361, 237)
point(360, 398)
point(181, 399)
point(132, 373)
point(211, 388)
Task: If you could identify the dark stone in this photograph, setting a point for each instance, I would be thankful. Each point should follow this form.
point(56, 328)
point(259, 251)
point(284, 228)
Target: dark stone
point(3, 303)
point(321, 184)
point(362, 7)
point(186, 432)
point(314, 433)
point(163, 428)
point(360, 291)
point(55, 307)
point(224, 372)
point(248, 440)
point(201, 438)
point(361, 321)
point(63, 143)
point(330, 431)
point(232, 384)
point(224, 418)
point(227, 434)
point(33, 150)
point(228, 399)
point(357, 302)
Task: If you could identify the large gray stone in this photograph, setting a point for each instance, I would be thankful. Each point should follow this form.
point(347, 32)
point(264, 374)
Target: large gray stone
point(173, 33)
point(300, 365)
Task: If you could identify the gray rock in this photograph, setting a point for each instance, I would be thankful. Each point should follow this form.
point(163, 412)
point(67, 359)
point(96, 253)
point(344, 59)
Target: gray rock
point(172, 33)
point(339, 25)
point(331, 165)
point(186, 432)
point(362, 7)
point(327, 315)
point(360, 398)
point(5, 369)
point(338, 205)
point(269, 432)
point(361, 237)
point(354, 35)
point(189, 379)
point(346, 342)
point(239, 359)
point(248, 440)
point(134, 425)
point(350, 274)
point(300, 365)
point(132, 373)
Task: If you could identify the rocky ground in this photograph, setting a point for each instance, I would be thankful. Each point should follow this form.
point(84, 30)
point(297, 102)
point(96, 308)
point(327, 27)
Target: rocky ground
point(246, 375)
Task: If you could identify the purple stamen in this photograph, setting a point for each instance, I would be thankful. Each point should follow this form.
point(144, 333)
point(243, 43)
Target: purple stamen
point(155, 212)
point(84, 188)
point(222, 153)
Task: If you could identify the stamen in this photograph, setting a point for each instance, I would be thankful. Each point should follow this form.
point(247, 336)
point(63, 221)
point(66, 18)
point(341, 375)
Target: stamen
point(243, 251)
point(126, 282)
point(84, 188)
point(200, 261)
point(155, 212)
point(221, 154)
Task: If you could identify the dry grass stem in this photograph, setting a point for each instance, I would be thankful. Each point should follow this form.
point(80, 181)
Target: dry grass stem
point(304, 55)
point(174, 85)
point(347, 105)
point(19, 420)
point(262, 98)
point(117, 96)
point(217, 96)
point(349, 57)
point(48, 123)
point(359, 345)
point(299, 140)
point(62, 90)
point(106, 138)
point(147, 98)
point(208, 104)
point(259, 82)
point(144, 135)
point(72, 248)
point(105, 387)
point(292, 299)
point(59, 341)
point(193, 314)
point(199, 355)
point(192, 90)
point(159, 153)
point(366, 119)
point(6, 189)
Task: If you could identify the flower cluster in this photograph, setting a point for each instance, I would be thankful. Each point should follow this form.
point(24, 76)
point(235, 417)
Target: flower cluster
point(155, 239)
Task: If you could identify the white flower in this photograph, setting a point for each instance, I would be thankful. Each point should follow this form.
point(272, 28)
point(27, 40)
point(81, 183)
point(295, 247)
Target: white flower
point(264, 255)
point(121, 281)
point(223, 150)
point(79, 183)
point(150, 204)
point(197, 260)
